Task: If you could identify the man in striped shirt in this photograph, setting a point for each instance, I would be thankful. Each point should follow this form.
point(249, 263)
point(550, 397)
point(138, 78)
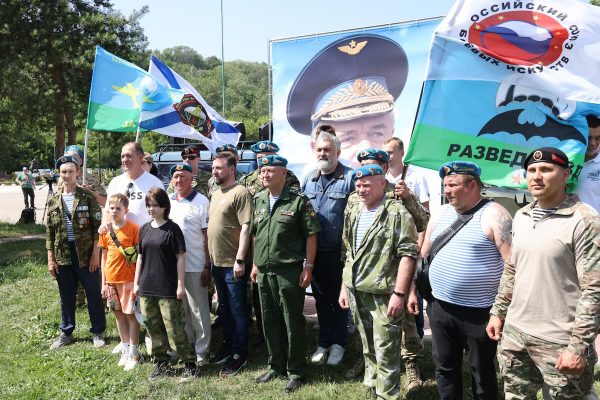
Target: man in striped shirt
point(464, 276)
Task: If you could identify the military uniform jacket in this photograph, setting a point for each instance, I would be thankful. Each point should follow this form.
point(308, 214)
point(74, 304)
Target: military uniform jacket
point(280, 236)
point(86, 219)
point(373, 267)
point(550, 287)
point(254, 185)
point(416, 210)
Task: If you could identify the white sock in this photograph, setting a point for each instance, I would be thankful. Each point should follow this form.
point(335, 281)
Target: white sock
point(125, 348)
point(133, 350)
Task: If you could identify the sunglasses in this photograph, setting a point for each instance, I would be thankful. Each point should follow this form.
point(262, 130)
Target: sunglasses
point(128, 192)
point(189, 157)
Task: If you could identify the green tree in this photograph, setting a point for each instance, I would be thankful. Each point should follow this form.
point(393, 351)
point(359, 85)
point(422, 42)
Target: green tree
point(595, 2)
point(47, 49)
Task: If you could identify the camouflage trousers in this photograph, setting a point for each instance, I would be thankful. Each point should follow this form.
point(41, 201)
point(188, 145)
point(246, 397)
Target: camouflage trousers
point(527, 364)
point(381, 337)
point(165, 321)
point(411, 341)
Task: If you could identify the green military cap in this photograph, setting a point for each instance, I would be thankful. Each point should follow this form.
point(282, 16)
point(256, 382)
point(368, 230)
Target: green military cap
point(373, 154)
point(367, 170)
point(67, 159)
point(265, 146)
point(272, 161)
point(226, 147)
point(459, 168)
point(180, 167)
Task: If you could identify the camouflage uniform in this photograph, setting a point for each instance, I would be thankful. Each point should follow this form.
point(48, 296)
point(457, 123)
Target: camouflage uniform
point(168, 312)
point(419, 213)
point(566, 244)
point(369, 276)
point(280, 248)
point(86, 221)
point(254, 185)
point(200, 183)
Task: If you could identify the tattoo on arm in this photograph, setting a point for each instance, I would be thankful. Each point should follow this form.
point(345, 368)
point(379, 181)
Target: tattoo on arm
point(505, 227)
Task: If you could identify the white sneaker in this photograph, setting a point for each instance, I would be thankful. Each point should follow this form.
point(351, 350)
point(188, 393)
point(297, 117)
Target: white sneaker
point(132, 362)
point(117, 349)
point(336, 353)
point(123, 359)
point(319, 355)
point(98, 340)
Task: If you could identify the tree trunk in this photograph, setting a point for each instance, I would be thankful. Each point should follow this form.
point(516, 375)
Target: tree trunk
point(59, 113)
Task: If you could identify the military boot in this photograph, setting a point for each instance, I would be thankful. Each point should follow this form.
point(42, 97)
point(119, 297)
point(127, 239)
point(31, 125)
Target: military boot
point(413, 376)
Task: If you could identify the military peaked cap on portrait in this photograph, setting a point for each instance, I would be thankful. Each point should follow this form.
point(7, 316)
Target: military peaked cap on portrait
point(226, 147)
point(76, 152)
point(180, 167)
point(265, 146)
point(272, 161)
point(373, 154)
point(547, 154)
point(459, 168)
point(190, 150)
point(367, 170)
point(359, 75)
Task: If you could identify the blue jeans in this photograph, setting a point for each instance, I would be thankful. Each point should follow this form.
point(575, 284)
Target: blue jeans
point(233, 308)
point(67, 277)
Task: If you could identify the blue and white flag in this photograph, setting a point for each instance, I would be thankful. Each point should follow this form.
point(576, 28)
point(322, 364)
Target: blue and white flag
point(190, 118)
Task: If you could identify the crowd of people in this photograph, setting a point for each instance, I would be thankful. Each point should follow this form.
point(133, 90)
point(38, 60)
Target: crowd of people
point(525, 292)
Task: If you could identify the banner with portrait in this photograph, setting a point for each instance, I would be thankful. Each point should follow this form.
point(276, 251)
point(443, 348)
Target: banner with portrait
point(364, 82)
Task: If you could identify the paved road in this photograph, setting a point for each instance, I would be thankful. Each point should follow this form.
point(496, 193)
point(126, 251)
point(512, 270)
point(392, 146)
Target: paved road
point(11, 202)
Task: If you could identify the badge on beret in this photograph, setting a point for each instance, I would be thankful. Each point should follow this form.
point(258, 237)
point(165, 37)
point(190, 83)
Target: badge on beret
point(179, 167)
point(359, 174)
point(186, 151)
point(265, 161)
point(364, 153)
point(537, 156)
point(262, 146)
point(64, 159)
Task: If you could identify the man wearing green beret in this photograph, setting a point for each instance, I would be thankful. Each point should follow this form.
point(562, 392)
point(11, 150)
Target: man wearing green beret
point(284, 230)
point(191, 156)
point(379, 248)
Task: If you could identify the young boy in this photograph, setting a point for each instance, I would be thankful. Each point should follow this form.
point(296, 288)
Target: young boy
point(117, 278)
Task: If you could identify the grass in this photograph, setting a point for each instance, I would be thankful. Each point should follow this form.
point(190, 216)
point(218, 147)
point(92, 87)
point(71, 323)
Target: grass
point(8, 230)
point(29, 319)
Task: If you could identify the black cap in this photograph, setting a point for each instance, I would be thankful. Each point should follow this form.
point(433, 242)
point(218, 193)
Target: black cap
point(547, 154)
point(189, 150)
point(359, 75)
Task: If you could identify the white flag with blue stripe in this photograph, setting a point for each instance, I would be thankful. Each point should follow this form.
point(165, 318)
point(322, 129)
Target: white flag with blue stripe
point(190, 118)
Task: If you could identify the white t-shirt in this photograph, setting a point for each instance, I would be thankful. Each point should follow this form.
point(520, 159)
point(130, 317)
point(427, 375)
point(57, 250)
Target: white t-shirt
point(414, 181)
point(588, 188)
point(137, 194)
point(191, 214)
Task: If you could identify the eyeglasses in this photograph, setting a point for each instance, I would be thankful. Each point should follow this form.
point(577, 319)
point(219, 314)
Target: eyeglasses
point(128, 192)
point(191, 158)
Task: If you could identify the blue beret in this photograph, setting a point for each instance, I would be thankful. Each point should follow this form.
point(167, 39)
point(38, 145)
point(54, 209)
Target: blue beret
point(265, 146)
point(76, 151)
point(272, 161)
point(66, 159)
point(180, 167)
point(367, 170)
point(226, 147)
point(460, 168)
point(547, 154)
point(373, 154)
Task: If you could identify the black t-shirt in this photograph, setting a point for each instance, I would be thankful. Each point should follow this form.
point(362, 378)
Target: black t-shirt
point(159, 248)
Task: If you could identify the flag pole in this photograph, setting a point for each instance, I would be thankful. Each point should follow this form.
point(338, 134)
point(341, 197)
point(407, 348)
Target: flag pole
point(85, 152)
point(222, 62)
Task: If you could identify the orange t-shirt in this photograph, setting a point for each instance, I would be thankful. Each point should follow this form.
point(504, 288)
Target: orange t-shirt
point(116, 269)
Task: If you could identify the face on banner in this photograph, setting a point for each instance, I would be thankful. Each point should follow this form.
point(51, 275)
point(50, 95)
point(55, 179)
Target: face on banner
point(366, 85)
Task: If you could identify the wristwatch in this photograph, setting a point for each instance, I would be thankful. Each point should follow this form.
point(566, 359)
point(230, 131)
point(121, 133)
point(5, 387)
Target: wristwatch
point(308, 266)
point(239, 261)
point(399, 294)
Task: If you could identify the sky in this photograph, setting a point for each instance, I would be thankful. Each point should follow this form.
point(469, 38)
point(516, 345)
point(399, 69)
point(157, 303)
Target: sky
point(250, 24)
